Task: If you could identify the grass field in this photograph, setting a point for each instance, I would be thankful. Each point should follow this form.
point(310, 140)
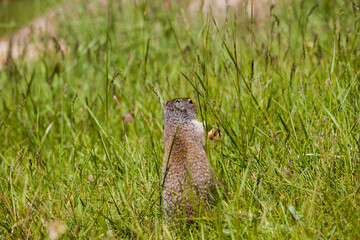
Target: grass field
point(81, 130)
point(12, 14)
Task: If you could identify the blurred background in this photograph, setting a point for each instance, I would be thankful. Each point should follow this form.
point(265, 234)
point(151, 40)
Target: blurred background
point(16, 13)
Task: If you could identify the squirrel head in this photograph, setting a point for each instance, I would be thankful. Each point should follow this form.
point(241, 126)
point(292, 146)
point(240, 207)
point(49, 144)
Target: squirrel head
point(179, 110)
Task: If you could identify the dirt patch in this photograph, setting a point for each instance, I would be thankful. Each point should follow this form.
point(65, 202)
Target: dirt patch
point(28, 41)
point(219, 8)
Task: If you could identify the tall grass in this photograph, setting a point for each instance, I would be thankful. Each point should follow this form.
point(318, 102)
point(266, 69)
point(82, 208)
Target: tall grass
point(81, 132)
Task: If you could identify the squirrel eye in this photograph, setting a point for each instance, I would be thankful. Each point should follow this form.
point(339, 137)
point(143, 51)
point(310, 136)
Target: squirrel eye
point(190, 101)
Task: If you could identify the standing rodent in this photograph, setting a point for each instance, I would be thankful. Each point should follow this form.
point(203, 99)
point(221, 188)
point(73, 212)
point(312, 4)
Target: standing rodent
point(188, 178)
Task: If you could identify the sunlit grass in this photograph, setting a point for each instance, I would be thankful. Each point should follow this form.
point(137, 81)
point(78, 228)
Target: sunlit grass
point(81, 132)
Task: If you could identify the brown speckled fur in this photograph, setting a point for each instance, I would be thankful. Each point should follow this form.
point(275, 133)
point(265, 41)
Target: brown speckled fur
point(189, 179)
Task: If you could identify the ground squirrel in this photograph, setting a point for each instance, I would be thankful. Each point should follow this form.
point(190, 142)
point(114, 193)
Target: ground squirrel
point(188, 178)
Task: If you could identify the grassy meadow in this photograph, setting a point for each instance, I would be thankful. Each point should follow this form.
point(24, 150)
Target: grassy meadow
point(13, 16)
point(81, 141)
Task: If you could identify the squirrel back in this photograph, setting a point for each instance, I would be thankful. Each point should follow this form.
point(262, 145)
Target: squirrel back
point(188, 178)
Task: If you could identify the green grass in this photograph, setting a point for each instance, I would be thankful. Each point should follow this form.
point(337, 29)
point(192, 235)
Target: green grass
point(13, 16)
point(284, 91)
